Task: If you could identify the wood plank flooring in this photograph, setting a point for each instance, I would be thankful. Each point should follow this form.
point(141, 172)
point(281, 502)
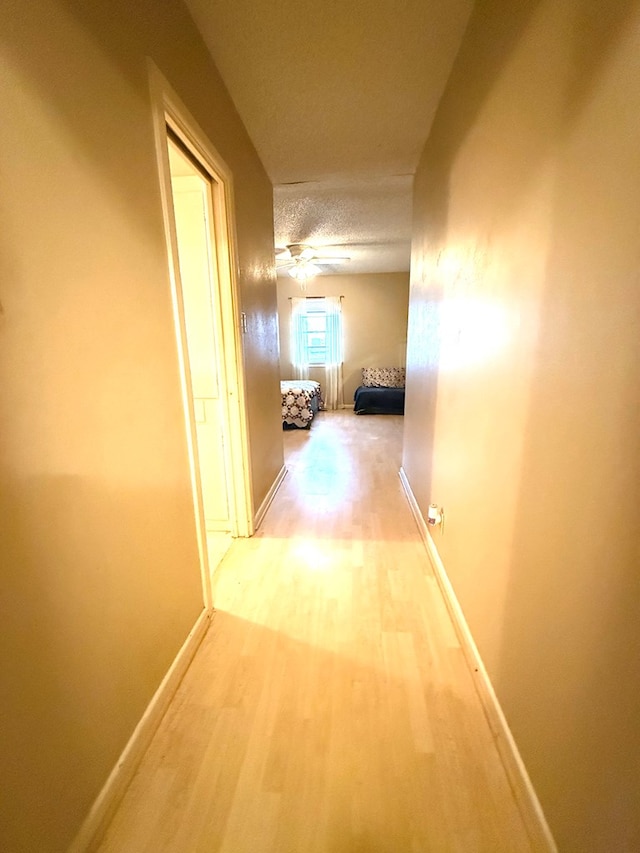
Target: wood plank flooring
point(329, 708)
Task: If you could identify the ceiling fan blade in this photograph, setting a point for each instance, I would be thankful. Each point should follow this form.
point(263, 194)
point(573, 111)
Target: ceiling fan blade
point(299, 254)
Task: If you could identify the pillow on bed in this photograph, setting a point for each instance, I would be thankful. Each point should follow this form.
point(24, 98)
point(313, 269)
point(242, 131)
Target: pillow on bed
point(383, 377)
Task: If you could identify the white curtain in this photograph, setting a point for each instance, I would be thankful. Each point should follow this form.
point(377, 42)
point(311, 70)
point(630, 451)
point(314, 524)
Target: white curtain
point(299, 356)
point(332, 392)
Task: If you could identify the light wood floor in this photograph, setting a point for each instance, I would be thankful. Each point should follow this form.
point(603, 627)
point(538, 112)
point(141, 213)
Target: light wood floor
point(329, 708)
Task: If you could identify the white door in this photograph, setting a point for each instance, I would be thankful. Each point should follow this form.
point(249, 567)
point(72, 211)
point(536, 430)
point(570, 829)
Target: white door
point(200, 294)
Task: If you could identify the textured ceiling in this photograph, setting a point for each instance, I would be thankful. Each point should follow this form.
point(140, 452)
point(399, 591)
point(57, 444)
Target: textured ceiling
point(338, 97)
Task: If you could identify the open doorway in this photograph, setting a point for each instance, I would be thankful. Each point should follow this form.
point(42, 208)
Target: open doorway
point(199, 292)
point(197, 196)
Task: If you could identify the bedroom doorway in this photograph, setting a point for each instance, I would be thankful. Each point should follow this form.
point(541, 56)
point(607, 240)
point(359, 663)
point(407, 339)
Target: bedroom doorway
point(198, 205)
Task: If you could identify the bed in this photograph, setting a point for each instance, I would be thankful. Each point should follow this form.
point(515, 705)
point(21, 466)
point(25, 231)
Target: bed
point(381, 392)
point(301, 399)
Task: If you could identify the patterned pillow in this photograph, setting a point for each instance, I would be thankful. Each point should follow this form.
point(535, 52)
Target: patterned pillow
point(383, 377)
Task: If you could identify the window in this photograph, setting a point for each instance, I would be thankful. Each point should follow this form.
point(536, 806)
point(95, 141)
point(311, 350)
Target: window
point(316, 342)
point(314, 331)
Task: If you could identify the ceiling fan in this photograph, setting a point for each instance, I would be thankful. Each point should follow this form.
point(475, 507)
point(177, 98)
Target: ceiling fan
point(303, 262)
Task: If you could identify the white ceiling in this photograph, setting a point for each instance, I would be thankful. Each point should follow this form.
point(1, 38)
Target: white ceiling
point(338, 97)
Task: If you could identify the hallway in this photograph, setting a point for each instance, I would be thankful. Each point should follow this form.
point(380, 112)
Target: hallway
point(329, 708)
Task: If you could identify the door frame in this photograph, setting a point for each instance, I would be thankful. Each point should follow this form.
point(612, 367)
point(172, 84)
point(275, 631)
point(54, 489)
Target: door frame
point(169, 112)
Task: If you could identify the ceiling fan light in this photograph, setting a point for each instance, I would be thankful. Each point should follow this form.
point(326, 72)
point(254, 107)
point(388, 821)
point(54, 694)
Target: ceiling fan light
point(298, 273)
point(304, 270)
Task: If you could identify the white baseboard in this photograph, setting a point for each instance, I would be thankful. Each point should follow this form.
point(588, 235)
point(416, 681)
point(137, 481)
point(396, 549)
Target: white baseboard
point(524, 792)
point(266, 503)
point(107, 801)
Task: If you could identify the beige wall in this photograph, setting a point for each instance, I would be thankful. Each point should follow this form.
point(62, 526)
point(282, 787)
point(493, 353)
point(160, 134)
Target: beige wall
point(523, 388)
point(100, 575)
point(374, 312)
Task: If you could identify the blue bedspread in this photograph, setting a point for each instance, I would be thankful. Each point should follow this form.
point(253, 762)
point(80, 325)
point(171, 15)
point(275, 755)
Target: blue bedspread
point(379, 401)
